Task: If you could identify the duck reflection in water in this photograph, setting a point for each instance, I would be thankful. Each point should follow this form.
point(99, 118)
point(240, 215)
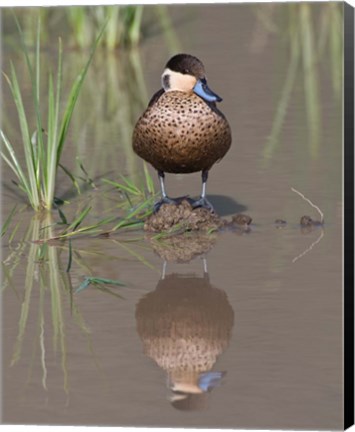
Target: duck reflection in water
point(185, 324)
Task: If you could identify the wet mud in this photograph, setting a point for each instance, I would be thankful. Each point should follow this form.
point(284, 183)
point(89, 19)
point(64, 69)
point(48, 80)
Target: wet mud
point(182, 218)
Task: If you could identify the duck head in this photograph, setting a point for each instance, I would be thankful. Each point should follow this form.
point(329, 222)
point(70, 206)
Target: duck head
point(186, 73)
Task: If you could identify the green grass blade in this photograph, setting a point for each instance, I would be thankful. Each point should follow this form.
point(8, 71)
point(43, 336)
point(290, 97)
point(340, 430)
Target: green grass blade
point(59, 87)
point(7, 222)
point(72, 178)
point(34, 89)
point(70, 258)
point(148, 179)
point(53, 144)
point(130, 184)
point(90, 229)
point(87, 178)
point(135, 254)
point(104, 221)
point(38, 60)
point(106, 281)
point(83, 285)
point(127, 187)
point(98, 281)
point(104, 289)
point(13, 232)
point(40, 144)
point(62, 217)
point(26, 137)
point(131, 225)
point(10, 164)
point(80, 218)
point(132, 214)
point(47, 167)
point(15, 166)
point(16, 94)
point(74, 225)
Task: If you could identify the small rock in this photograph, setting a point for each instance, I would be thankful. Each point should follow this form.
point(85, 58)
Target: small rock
point(306, 221)
point(242, 219)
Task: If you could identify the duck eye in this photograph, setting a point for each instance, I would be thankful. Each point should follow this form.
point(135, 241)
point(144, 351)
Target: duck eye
point(186, 71)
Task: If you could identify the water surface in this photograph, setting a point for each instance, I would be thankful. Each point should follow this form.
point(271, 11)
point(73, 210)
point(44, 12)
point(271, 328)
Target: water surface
point(270, 308)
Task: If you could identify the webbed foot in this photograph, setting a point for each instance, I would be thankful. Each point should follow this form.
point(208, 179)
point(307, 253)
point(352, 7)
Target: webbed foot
point(204, 203)
point(164, 200)
point(175, 201)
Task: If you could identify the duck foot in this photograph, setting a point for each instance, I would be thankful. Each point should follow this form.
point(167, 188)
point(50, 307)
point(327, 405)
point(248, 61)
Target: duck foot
point(167, 200)
point(164, 200)
point(204, 203)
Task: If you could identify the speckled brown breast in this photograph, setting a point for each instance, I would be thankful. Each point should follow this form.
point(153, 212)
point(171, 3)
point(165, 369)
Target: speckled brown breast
point(185, 324)
point(181, 133)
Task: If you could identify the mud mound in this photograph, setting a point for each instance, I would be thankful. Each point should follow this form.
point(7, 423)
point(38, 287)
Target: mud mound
point(183, 247)
point(171, 216)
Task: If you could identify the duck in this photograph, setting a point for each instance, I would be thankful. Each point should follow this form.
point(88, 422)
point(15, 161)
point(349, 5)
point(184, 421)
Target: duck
point(185, 325)
point(182, 131)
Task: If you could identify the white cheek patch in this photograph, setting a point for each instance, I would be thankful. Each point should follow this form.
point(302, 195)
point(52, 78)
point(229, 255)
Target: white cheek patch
point(172, 80)
point(165, 81)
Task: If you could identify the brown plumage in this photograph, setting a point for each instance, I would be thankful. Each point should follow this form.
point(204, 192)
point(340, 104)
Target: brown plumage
point(182, 130)
point(185, 324)
point(181, 133)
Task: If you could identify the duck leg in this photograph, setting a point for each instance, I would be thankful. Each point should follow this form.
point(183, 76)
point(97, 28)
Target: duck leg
point(165, 199)
point(203, 201)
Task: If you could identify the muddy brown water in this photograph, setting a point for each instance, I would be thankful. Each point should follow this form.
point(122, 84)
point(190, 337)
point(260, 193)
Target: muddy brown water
point(269, 313)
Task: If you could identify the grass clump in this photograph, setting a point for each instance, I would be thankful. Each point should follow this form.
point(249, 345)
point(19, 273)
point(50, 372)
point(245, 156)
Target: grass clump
point(42, 144)
point(124, 28)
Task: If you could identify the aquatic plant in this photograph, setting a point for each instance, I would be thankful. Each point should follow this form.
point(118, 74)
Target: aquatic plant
point(133, 212)
point(124, 28)
point(99, 283)
point(42, 147)
point(128, 187)
point(43, 271)
point(132, 220)
point(47, 299)
point(7, 221)
point(74, 228)
point(112, 98)
point(307, 44)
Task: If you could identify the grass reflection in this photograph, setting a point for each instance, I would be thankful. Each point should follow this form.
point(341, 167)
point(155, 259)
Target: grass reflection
point(44, 274)
point(48, 300)
point(310, 39)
